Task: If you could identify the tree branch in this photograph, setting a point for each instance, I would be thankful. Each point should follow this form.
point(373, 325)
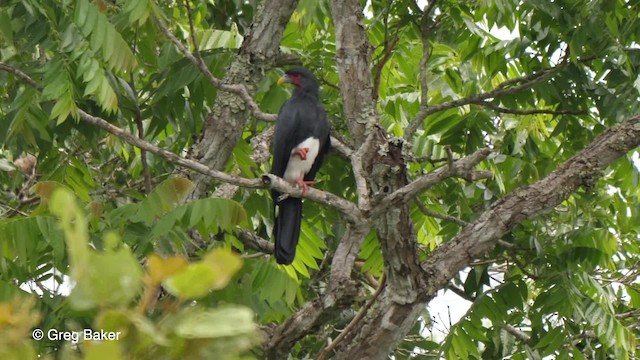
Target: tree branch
point(237, 89)
point(518, 334)
point(373, 341)
point(363, 311)
point(252, 240)
point(426, 211)
point(19, 74)
point(233, 105)
point(459, 168)
point(506, 87)
point(426, 27)
point(351, 212)
point(387, 50)
point(339, 295)
point(501, 109)
point(526, 202)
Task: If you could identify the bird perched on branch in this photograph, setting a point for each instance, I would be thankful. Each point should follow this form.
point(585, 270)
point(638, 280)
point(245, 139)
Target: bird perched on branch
point(300, 144)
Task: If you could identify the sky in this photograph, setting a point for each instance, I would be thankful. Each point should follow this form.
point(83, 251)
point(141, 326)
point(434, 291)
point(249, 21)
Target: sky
point(445, 310)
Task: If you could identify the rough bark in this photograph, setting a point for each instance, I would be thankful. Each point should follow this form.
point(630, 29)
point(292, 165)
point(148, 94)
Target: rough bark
point(230, 114)
point(383, 190)
point(583, 169)
point(383, 169)
point(353, 59)
point(315, 313)
point(409, 287)
point(390, 320)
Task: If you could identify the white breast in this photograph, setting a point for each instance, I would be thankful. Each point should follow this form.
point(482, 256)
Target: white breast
point(296, 167)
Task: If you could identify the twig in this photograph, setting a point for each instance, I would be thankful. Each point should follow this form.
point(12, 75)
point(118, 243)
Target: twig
point(237, 89)
point(511, 250)
point(140, 126)
point(351, 212)
point(387, 51)
point(506, 87)
point(426, 27)
point(449, 155)
point(436, 215)
point(24, 77)
point(517, 333)
point(530, 111)
point(629, 314)
point(329, 348)
point(192, 31)
point(456, 290)
point(326, 82)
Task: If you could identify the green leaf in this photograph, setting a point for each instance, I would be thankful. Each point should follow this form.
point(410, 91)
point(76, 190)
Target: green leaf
point(551, 338)
point(193, 282)
point(196, 280)
point(105, 284)
point(216, 323)
point(74, 225)
point(103, 350)
point(98, 281)
point(163, 198)
point(104, 36)
point(138, 10)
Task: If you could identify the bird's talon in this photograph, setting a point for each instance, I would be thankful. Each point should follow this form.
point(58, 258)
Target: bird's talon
point(304, 185)
point(302, 152)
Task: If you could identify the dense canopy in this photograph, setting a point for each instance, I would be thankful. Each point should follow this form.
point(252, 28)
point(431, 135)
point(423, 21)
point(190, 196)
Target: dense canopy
point(483, 148)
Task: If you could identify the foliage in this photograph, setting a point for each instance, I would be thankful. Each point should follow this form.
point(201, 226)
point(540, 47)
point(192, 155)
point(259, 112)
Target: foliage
point(112, 292)
point(564, 285)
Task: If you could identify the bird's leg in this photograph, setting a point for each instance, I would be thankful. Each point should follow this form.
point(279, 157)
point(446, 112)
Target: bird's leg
point(302, 152)
point(304, 184)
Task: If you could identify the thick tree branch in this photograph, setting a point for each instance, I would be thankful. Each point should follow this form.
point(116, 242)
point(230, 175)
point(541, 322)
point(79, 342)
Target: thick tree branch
point(224, 125)
point(352, 57)
point(525, 203)
point(460, 168)
point(313, 314)
point(476, 239)
point(351, 212)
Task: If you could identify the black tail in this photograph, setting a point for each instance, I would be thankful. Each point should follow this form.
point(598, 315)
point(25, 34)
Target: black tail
point(287, 229)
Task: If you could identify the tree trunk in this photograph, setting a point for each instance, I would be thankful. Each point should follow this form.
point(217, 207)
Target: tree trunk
point(224, 125)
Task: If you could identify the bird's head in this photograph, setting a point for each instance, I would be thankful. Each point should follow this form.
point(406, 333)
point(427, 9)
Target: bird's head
point(302, 79)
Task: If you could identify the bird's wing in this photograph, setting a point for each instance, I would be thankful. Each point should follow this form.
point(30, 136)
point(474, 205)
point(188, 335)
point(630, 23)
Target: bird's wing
point(286, 126)
point(321, 130)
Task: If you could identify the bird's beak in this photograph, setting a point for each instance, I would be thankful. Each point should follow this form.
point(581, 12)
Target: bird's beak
point(284, 79)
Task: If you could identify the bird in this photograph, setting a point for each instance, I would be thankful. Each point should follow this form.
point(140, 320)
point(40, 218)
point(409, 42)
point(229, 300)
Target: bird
point(301, 142)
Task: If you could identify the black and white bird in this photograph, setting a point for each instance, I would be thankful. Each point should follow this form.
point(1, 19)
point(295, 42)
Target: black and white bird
point(300, 144)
